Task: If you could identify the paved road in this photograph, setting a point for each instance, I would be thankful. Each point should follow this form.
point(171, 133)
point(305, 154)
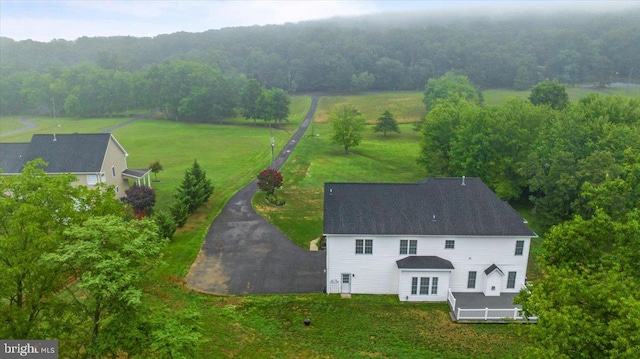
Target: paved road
point(245, 254)
point(28, 125)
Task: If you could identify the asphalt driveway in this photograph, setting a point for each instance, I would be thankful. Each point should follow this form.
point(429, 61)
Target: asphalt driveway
point(245, 254)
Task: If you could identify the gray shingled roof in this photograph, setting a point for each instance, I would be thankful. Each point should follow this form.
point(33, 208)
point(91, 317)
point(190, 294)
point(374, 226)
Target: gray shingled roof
point(65, 153)
point(436, 206)
point(12, 156)
point(491, 268)
point(424, 262)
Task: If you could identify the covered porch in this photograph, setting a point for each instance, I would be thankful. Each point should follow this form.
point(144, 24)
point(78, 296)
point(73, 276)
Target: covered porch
point(477, 307)
point(142, 177)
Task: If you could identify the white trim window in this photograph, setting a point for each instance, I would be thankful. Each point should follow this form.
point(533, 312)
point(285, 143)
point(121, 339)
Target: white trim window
point(420, 285)
point(364, 246)
point(519, 248)
point(408, 246)
point(449, 244)
point(511, 280)
point(113, 171)
point(471, 281)
point(92, 180)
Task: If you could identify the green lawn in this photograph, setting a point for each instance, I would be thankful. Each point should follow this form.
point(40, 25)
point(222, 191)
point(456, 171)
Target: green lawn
point(316, 161)
point(58, 125)
point(405, 106)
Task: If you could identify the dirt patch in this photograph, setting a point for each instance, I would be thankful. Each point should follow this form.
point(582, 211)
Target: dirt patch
point(207, 275)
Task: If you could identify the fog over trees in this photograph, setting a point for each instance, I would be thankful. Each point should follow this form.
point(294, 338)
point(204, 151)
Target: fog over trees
point(377, 52)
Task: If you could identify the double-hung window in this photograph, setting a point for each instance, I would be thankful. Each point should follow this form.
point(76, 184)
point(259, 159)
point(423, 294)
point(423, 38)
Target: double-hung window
point(511, 280)
point(424, 285)
point(408, 246)
point(414, 285)
point(519, 248)
point(364, 246)
point(471, 281)
point(420, 285)
point(434, 285)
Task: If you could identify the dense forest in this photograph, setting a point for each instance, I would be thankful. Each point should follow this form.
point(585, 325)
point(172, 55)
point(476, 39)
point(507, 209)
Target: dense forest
point(377, 52)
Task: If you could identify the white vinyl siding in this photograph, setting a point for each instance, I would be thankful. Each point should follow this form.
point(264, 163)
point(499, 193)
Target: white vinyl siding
point(378, 273)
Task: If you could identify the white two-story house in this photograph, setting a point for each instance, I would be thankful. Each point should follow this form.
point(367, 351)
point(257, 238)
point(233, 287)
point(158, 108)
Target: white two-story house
point(422, 240)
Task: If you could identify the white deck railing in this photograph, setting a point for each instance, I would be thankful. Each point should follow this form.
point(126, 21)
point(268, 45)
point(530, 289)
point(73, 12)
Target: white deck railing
point(452, 300)
point(487, 314)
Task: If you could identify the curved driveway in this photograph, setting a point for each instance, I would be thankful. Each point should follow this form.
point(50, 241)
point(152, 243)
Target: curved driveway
point(245, 254)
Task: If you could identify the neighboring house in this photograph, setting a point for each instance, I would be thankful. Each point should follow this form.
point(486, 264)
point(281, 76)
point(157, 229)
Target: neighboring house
point(92, 158)
point(424, 241)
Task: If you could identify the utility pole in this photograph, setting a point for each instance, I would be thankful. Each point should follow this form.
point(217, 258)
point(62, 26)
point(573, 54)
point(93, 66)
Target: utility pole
point(273, 143)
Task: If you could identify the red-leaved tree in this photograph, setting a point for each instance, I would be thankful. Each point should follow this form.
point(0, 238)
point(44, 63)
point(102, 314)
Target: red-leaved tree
point(141, 199)
point(269, 180)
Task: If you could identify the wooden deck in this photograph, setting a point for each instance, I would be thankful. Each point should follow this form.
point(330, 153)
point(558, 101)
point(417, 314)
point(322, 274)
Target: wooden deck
point(478, 308)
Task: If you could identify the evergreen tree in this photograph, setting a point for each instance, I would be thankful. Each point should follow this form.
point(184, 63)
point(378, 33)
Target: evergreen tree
point(387, 123)
point(195, 189)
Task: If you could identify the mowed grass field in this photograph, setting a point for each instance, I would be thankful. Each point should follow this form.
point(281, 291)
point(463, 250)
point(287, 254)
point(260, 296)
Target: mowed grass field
point(270, 326)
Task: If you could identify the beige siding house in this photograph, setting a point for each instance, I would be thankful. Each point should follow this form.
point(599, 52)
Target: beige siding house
point(92, 158)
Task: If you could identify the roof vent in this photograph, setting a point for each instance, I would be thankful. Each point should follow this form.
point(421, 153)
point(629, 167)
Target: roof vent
point(463, 184)
point(54, 137)
point(330, 191)
point(434, 218)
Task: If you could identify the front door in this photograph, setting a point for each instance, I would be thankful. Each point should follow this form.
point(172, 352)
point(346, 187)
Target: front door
point(346, 283)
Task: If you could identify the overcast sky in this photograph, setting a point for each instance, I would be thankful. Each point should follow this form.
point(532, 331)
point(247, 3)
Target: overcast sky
point(43, 20)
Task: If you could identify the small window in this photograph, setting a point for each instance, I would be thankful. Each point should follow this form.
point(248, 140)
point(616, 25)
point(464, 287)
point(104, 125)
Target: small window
point(117, 189)
point(471, 282)
point(519, 248)
point(368, 246)
point(92, 180)
point(449, 244)
point(511, 280)
point(424, 285)
point(364, 246)
point(414, 285)
point(434, 285)
point(408, 246)
point(404, 246)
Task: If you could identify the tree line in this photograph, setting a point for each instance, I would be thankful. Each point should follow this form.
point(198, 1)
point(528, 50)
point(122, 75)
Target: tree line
point(579, 164)
point(341, 55)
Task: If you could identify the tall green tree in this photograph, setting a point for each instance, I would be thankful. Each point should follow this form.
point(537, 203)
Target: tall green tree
point(450, 86)
point(109, 257)
point(195, 188)
point(347, 124)
point(588, 300)
point(387, 122)
point(249, 99)
point(550, 93)
point(35, 210)
point(273, 105)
